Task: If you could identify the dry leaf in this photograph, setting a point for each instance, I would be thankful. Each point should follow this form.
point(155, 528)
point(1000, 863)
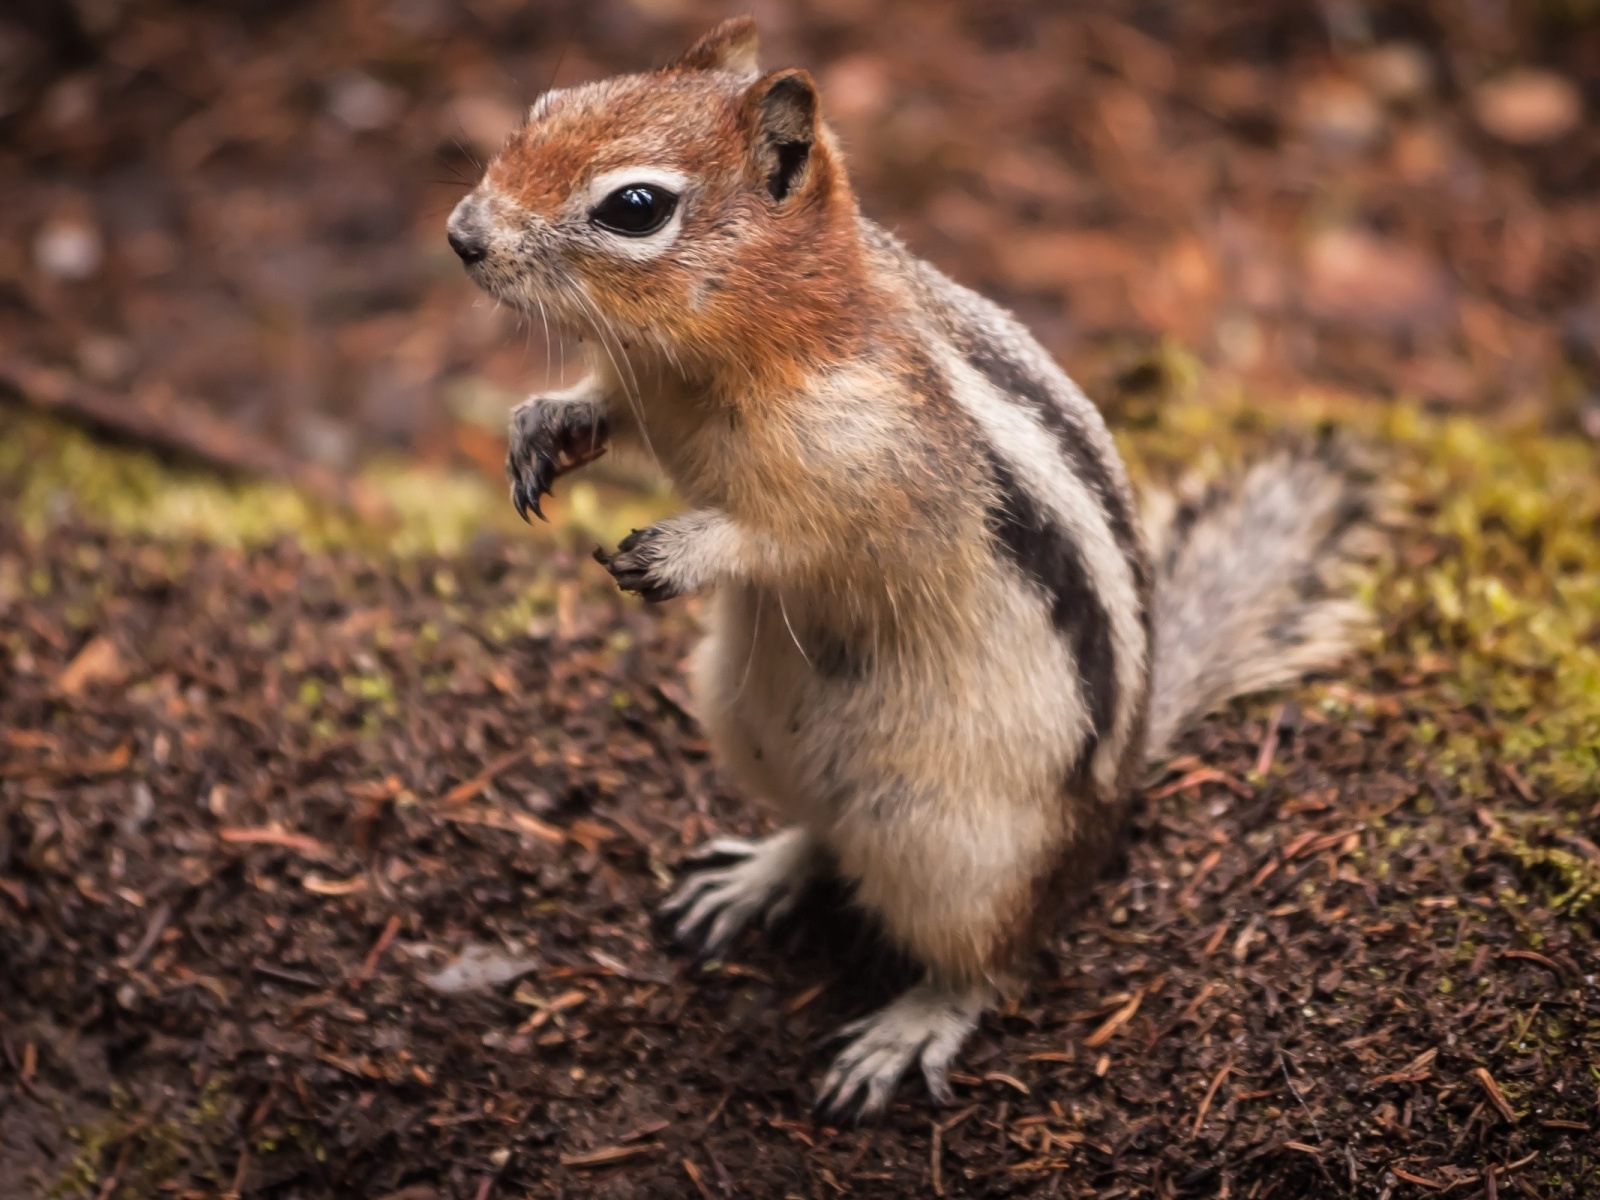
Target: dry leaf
point(97, 662)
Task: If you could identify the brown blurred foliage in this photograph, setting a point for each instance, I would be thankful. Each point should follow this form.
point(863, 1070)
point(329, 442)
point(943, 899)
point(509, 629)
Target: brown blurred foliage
point(243, 204)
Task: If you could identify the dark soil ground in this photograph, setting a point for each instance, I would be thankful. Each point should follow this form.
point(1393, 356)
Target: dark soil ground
point(255, 803)
point(328, 873)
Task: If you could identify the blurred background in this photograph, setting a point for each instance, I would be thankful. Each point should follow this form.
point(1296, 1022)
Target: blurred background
point(224, 223)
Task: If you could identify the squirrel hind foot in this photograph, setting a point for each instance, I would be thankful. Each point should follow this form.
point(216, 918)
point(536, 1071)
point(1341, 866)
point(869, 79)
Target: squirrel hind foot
point(765, 880)
point(927, 1026)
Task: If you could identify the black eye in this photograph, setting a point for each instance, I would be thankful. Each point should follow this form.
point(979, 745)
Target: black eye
point(635, 210)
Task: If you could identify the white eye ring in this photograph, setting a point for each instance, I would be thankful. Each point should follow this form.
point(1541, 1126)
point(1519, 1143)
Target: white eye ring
point(637, 246)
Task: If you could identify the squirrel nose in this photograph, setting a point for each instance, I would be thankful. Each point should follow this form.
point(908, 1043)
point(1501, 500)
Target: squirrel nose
point(469, 246)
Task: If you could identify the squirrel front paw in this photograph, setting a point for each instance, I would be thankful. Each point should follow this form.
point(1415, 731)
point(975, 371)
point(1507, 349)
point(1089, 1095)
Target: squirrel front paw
point(548, 439)
point(643, 564)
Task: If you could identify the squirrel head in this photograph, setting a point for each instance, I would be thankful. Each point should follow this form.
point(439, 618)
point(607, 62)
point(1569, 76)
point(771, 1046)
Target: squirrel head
point(702, 208)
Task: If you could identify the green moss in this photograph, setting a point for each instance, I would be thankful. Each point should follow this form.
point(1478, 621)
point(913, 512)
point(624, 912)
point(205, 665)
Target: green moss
point(1510, 602)
point(149, 1147)
point(530, 609)
point(1497, 588)
point(51, 472)
point(1571, 881)
point(1490, 611)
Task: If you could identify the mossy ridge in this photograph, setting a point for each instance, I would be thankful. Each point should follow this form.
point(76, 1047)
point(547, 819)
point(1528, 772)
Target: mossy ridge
point(1490, 614)
point(52, 472)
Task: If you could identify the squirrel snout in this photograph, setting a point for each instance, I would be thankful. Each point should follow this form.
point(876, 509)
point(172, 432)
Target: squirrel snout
point(465, 233)
point(468, 244)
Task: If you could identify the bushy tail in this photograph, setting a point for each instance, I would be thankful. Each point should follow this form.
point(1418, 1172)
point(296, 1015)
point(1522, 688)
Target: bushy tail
point(1255, 582)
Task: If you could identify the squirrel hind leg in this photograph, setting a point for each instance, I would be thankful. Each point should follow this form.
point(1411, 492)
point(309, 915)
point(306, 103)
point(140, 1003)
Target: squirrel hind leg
point(927, 1026)
point(765, 878)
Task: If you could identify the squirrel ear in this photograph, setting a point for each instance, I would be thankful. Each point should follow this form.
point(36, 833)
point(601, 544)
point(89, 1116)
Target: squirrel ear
point(782, 109)
point(733, 46)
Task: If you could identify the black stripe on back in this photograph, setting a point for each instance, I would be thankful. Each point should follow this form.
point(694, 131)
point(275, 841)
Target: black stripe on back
point(1011, 378)
point(1047, 554)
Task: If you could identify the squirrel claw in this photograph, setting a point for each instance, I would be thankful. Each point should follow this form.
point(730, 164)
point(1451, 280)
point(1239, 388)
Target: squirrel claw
point(526, 493)
point(636, 569)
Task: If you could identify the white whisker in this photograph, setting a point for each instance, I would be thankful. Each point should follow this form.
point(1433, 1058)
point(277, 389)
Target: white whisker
point(635, 401)
point(785, 613)
point(755, 634)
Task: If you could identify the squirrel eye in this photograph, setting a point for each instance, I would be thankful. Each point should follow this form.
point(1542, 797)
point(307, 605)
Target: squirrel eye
point(635, 210)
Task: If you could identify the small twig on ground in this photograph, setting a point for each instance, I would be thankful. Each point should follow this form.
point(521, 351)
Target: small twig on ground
point(1269, 744)
point(111, 1180)
point(1211, 1092)
point(469, 788)
point(152, 931)
point(1283, 1062)
point(608, 1154)
point(370, 964)
point(1496, 1096)
point(693, 1172)
point(1116, 1021)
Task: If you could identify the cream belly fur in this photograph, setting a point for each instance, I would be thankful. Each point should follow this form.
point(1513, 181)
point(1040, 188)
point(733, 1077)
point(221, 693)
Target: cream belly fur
point(934, 781)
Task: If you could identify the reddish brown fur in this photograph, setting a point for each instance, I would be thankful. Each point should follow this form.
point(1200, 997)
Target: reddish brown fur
point(760, 324)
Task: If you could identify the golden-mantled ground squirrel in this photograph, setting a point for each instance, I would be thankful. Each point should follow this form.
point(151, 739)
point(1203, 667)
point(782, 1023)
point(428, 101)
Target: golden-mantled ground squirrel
point(942, 643)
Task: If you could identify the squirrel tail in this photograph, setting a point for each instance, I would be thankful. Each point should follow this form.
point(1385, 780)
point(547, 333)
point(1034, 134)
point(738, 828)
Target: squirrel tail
point(1255, 582)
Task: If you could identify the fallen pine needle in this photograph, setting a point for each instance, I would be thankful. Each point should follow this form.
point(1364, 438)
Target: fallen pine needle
point(546, 1009)
point(112, 762)
point(804, 998)
point(693, 1172)
point(1534, 957)
point(370, 963)
point(1191, 890)
point(1416, 1179)
point(334, 887)
point(609, 1154)
point(1496, 1096)
point(1299, 844)
point(1008, 1080)
point(590, 834)
point(1415, 1071)
point(469, 788)
point(514, 822)
point(270, 836)
point(1269, 743)
point(1194, 779)
point(1115, 1022)
point(1216, 938)
point(1205, 1103)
